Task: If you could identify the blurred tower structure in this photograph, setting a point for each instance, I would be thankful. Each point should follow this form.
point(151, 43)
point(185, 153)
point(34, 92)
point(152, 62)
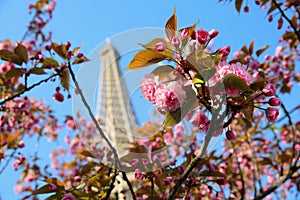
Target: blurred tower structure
point(113, 107)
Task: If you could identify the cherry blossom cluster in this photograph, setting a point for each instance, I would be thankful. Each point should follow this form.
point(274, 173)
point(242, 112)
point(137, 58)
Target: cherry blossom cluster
point(166, 95)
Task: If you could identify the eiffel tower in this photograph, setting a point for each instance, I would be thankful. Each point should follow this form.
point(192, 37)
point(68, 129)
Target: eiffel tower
point(113, 107)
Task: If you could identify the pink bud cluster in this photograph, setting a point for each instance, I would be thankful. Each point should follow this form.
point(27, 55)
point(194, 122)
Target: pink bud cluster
point(167, 96)
point(271, 113)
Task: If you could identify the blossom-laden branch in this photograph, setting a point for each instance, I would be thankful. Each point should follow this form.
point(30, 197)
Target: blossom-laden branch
point(29, 88)
point(87, 106)
point(297, 31)
point(278, 183)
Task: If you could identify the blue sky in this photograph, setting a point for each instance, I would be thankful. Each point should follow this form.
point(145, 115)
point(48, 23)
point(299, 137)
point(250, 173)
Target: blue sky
point(88, 23)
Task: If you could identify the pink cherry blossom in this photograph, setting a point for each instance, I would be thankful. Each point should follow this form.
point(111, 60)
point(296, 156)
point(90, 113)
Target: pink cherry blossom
point(184, 34)
point(201, 121)
point(202, 36)
point(59, 97)
point(169, 97)
point(160, 47)
point(148, 87)
point(230, 135)
point(224, 69)
point(272, 114)
point(274, 101)
point(69, 196)
point(175, 41)
point(269, 90)
point(213, 33)
point(224, 51)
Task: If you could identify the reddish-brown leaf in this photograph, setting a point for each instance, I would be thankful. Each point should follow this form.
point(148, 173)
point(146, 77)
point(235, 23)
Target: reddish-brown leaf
point(145, 58)
point(238, 5)
point(171, 25)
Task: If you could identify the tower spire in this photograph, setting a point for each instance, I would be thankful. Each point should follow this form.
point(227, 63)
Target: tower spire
point(114, 107)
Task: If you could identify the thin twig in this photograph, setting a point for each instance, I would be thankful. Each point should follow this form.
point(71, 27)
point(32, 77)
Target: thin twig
point(8, 161)
point(287, 19)
point(278, 183)
point(28, 89)
point(87, 106)
point(129, 185)
point(112, 185)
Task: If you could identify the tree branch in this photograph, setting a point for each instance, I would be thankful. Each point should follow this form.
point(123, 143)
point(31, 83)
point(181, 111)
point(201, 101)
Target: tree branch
point(280, 181)
point(112, 185)
point(129, 185)
point(287, 19)
point(28, 89)
point(87, 106)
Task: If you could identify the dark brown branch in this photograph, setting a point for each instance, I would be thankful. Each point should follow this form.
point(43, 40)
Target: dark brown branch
point(8, 161)
point(129, 185)
point(28, 89)
point(112, 185)
point(87, 106)
point(287, 19)
point(278, 183)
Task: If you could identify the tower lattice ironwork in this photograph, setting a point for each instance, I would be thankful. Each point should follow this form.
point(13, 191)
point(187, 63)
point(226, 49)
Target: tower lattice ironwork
point(114, 107)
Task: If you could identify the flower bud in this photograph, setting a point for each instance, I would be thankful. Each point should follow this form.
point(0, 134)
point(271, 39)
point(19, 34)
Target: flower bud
point(160, 47)
point(202, 36)
point(230, 135)
point(213, 33)
point(269, 90)
point(52, 187)
point(274, 101)
point(59, 97)
point(272, 114)
point(246, 9)
point(175, 41)
point(184, 34)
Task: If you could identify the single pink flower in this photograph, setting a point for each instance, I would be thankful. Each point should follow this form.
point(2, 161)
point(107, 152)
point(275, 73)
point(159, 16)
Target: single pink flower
point(160, 47)
point(274, 101)
point(272, 114)
point(175, 41)
point(52, 187)
point(59, 97)
point(184, 34)
point(202, 36)
point(230, 135)
point(213, 33)
point(137, 174)
point(269, 90)
point(224, 51)
point(169, 97)
point(68, 196)
point(148, 87)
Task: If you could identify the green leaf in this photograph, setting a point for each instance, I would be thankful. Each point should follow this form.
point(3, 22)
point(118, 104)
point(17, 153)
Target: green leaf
point(164, 72)
point(55, 181)
point(258, 84)
point(50, 63)
point(60, 50)
point(247, 112)
point(145, 58)
point(207, 173)
point(21, 51)
point(10, 57)
point(36, 70)
point(171, 25)
point(260, 51)
point(172, 118)
point(65, 79)
point(238, 5)
point(198, 79)
point(15, 72)
point(208, 73)
point(234, 81)
point(43, 190)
